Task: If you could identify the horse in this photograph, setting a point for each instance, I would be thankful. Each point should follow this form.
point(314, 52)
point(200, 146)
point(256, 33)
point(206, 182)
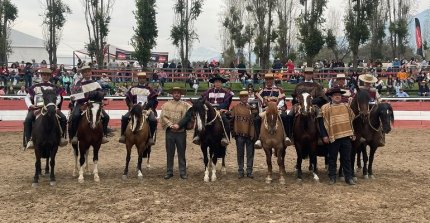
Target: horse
point(209, 127)
point(46, 136)
point(90, 133)
point(368, 123)
point(272, 136)
point(305, 134)
point(137, 133)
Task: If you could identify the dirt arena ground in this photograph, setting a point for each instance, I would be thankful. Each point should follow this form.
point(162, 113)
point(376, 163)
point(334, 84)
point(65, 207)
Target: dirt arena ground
point(400, 192)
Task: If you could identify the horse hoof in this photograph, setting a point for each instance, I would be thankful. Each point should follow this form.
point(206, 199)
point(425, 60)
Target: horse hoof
point(206, 179)
point(342, 179)
point(372, 177)
point(223, 171)
point(53, 183)
point(299, 180)
point(282, 181)
point(213, 178)
point(124, 177)
point(74, 174)
point(140, 177)
point(46, 174)
point(148, 166)
point(80, 180)
point(96, 179)
point(35, 185)
point(366, 177)
point(268, 181)
point(355, 179)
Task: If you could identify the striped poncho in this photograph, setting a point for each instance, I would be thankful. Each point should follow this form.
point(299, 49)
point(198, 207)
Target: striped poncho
point(337, 120)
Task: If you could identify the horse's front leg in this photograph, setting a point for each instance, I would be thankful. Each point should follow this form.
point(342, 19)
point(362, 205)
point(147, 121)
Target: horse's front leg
point(139, 165)
point(206, 162)
point(365, 160)
point(38, 169)
point(76, 155)
point(95, 160)
point(371, 158)
point(313, 163)
point(82, 150)
point(269, 164)
point(87, 168)
point(127, 161)
point(52, 176)
point(299, 163)
point(213, 163)
point(47, 167)
point(281, 164)
point(223, 168)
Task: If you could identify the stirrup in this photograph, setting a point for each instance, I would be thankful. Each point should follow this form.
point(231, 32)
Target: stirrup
point(122, 139)
point(63, 142)
point(196, 140)
point(257, 144)
point(224, 142)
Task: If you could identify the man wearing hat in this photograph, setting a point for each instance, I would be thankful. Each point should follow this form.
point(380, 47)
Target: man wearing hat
point(28, 75)
point(220, 99)
point(172, 113)
point(31, 102)
point(269, 91)
point(341, 83)
point(144, 94)
point(242, 124)
point(369, 80)
point(86, 85)
point(337, 131)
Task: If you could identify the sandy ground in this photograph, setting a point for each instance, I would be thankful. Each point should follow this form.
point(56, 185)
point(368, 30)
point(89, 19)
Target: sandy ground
point(400, 192)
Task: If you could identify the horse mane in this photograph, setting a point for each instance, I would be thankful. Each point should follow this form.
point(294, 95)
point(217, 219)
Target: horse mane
point(97, 95)
point(361, 98)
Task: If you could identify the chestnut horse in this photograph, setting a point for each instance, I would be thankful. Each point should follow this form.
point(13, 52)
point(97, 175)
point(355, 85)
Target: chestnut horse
point(46, 136)
point(90, 133)
point(209, 128)
point(137, 133)
point(305, 134)
point(272, 137)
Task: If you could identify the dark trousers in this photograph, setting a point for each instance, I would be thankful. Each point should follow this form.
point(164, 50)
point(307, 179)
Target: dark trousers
point(342, 146)
point(176, 140)
point(241, 143)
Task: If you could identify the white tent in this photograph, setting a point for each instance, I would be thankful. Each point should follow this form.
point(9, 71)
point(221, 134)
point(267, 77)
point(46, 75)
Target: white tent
point(26, 47)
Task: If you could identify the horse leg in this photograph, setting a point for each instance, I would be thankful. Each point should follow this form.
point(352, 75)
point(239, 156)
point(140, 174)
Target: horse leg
point(363, 150)
point(371, 158)
point(95, 160)
point(127, 161)
point(139, 165)
point(148, 152)
point(313, 161)
point(82, 151)
point(213, 163)
point(47, 167)
point(206, 162)
point(353, 154)
point(299, 163)
point(87, 168)
point(75, 154)
point(269, 164)
point(38, 169)
point(281, 164)
point(52, 176)
point(223, 169)
point(359, 166)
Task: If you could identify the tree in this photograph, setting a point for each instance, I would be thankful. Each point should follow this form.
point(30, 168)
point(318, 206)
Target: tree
point(377, 29)
point(284, 12)
point(146, 31)
point(182, 33)
point(97, 18)
point(311, 35)
point(398, 16)
point(8, 14)
point(53, 23)
point(235, 36)
point(357, 25)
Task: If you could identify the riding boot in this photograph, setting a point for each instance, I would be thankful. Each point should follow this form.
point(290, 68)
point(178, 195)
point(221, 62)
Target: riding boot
point(226, 139)
point(63, 125)
point(152, 129)
point(28, 127)
point(105, 122)
point(286, 124)
point(124, 124)
point(257, 126)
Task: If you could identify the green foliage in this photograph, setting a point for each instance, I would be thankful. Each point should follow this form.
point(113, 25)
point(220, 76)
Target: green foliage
point(146, 31)
point(330, 40)
point(8, 14)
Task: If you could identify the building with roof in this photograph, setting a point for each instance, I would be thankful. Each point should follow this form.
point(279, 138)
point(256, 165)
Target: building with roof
point(26, 47)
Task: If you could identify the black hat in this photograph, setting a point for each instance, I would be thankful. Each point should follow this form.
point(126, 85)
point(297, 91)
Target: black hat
point(217, 77)
point(335, 90)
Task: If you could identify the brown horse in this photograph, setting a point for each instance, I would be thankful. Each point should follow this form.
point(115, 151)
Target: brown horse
point(90, 133)
point(370, 124)
point(46, 136)
point(272, 137)
point(305, 133)
point(137, 134)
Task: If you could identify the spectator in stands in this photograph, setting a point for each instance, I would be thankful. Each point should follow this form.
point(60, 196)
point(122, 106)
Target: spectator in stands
point(22, 91)
point(390, 84)
point(4, 75)
point(402, 93)
point(290, 66)
point(66, 80)
point(379, 85)
point(423, 88)
point(14, 73)
point(2, 92)
point(402, 75)
point(277, 66)
point(28, 75)
point(396, 64)
point(397, 85)
point(105, 83)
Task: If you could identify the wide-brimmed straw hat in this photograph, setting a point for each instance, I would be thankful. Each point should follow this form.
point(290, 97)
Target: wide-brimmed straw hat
point(45, 71)
point(335, 90)
point(308, 70)
point(269, 76)
point(219, 78)
point(243, 93)
point(84, 68)
point(141, 74)
point(340, 76)
point(176, 89)
point(369, 78)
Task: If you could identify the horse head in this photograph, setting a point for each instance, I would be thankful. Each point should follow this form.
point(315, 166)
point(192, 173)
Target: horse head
point(199, 110)
point(360, 104)
point(271, 117)
point(305, 104)
point(386, 116)
point(136, 114)
point(49, 102)
point(93, 113)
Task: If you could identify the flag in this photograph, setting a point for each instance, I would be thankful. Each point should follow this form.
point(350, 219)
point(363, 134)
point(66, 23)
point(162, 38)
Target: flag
point(418, 37)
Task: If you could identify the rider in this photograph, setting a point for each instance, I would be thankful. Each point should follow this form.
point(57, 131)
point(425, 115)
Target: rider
point(86, 85)
point(36, 91)
point(141, 93)
point(220, 99)
point(341, 83)
point(268, 92)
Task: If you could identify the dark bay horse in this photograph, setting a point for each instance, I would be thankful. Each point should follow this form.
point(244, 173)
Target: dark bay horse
point(369, 123)
point(305, 133)
point(137, 134)
point(90, 133)
point(46, 135)
point(272, 137)
point(209, 128)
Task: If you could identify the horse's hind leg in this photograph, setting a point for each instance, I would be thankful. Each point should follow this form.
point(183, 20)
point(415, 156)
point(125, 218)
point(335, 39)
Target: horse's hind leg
point(148, 155)
point(206, 162)
point(213, 163)
point(299, 163)
point(52, 176)
point(371, 158)
point(127, 161)
point(82, 152)
point(365, 160)
point(38, 169)
point(269, 164)
point(95, 160)
point(47, 167)
point(223, 169)
point(87, 168)
point(313, 163)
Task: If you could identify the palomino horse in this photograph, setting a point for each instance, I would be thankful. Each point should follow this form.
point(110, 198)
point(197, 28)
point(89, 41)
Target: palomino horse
point(90, 133)
point(305, 133)
point(369, 122)
point(46, 135)
point(137, 133)
point(209, 128)
point(272, 137)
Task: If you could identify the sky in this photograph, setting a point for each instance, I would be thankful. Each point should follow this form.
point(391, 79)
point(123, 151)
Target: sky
point(75, 33)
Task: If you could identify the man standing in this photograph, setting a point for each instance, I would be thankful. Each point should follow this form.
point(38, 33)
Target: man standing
point(85, 86)
point(172, 112)
point(141, 93)
point(32, 102)
point(243, 131)
point(337, 131)
point(270, 91)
